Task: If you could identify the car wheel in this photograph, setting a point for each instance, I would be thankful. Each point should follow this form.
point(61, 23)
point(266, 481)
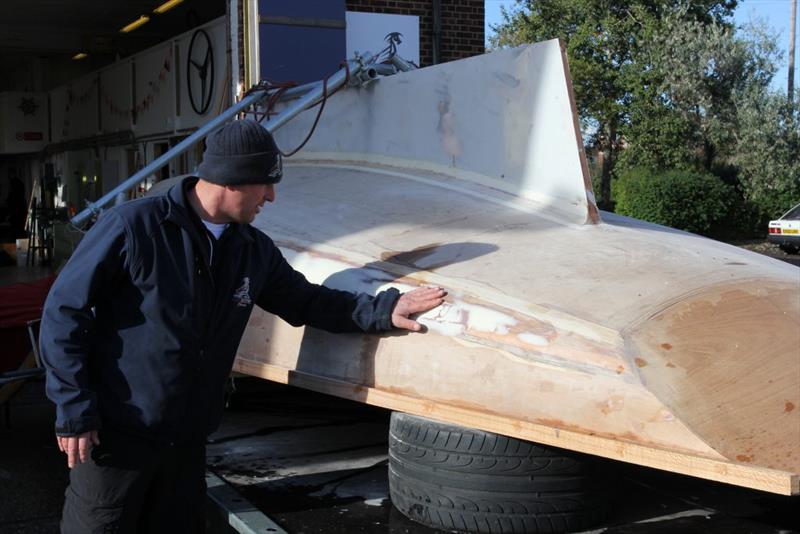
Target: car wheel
point(789, 249)
point(456, 478)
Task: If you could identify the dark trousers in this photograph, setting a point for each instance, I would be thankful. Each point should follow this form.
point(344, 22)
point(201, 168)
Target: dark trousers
point(135, 486)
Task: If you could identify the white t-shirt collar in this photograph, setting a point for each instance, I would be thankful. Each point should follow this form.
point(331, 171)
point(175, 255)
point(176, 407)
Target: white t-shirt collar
point(215, 229)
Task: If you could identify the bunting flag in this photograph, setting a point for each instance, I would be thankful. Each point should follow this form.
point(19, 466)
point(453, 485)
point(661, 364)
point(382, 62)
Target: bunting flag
point(78, 99)
point(154, 88)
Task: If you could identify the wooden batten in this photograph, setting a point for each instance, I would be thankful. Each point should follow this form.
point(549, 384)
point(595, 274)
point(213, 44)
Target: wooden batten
point(758, 478)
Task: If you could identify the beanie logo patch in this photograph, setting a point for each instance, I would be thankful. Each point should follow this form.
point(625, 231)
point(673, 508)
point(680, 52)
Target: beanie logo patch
point(242, 295)
point(277, 170)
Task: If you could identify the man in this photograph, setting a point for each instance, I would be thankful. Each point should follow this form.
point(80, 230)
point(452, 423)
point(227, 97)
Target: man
point(140, 330)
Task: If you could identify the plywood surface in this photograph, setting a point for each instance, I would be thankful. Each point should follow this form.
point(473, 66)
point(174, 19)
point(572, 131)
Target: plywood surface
point(548, 322)
point(599, 334)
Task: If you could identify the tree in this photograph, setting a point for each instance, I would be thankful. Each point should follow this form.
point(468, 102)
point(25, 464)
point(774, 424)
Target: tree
point(703, 69)
point(714, 84)
point(606, 42)
point(767, 152)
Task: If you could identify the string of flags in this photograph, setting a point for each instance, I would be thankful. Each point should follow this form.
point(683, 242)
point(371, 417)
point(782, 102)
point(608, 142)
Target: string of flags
point(141, 105)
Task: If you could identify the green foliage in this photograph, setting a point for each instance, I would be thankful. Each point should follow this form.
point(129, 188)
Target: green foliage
point(687, 200)
point(671, 84)
point(768, 153)
point(702, 71)
point(608, 48)
point(660, 138)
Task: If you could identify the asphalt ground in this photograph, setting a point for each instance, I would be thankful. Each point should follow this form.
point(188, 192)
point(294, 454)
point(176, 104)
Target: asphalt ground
point(769, 249)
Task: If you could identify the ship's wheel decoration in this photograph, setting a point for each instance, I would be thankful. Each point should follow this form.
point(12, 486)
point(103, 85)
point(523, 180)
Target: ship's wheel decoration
point(200, 72)
point(28, 106)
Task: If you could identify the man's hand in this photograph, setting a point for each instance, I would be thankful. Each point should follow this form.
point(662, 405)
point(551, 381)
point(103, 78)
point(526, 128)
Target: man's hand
point(77, 447)
point(417, 301)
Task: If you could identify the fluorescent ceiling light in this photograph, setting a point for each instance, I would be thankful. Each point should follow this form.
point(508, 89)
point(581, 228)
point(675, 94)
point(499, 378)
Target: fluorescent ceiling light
point(135, 24)
point(80, 55)
point(166, 6)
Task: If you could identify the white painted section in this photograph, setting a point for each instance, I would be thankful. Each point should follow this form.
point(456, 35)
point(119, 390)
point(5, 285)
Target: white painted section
point(58, 114)
point(19, 131)
point(503, 120)
point(253, 43)
point(533, 339)
point(233, 40)
point(366, 32)
point(220, 96)
point(155, 91)
point(116, 97)
point(73, 109)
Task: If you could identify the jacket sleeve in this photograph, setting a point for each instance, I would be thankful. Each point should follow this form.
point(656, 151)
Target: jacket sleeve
point(68, 323)
point(288, 294)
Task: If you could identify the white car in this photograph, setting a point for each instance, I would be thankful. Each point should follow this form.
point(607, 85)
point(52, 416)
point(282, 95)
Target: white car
point(786, 231)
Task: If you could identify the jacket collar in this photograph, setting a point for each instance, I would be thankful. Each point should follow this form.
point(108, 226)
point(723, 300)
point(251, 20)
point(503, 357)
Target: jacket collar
point(181, 212)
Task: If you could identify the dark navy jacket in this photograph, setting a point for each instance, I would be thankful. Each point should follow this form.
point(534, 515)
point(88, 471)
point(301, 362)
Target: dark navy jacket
point(139, 331)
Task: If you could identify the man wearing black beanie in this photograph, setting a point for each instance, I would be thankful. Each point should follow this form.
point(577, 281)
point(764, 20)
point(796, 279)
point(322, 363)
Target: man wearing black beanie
point(140, 330)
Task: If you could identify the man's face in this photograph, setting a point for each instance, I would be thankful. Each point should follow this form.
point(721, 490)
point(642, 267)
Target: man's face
point(244, 202)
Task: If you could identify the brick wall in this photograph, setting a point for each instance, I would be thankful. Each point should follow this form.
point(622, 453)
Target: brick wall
point(461, 25)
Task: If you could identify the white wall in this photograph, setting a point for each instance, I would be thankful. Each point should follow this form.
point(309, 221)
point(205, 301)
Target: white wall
point(23, 122)
point(366, 32)
point(116, 97)
point(155, 91)
point(74, 107)
point(220, 94)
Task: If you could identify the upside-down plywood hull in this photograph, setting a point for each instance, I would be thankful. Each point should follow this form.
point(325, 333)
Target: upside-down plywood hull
point(616, 338)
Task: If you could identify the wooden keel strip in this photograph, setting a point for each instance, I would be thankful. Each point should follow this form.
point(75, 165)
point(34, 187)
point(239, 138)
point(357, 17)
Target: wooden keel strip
point(759, 478)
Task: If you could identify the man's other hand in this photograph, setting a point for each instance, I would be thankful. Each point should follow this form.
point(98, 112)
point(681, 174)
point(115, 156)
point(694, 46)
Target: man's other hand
point(417, 301)
point(77, 447)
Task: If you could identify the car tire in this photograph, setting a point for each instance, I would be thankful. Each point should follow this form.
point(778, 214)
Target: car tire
point(789, 249)
point(456, 478)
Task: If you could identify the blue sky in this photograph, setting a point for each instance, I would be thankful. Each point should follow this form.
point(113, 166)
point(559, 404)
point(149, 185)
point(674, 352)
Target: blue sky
point(776, 13)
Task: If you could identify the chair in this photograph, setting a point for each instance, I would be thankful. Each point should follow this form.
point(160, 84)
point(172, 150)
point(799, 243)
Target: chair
point(31, 367)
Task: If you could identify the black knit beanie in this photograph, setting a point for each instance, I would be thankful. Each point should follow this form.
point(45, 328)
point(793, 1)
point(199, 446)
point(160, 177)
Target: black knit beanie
point(242, 152)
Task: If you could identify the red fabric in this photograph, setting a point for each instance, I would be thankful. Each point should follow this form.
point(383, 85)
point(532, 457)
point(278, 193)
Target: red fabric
point(19, 303)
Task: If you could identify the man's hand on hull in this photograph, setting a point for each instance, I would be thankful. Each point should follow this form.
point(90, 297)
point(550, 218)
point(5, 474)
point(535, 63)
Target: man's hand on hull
point(417, 301)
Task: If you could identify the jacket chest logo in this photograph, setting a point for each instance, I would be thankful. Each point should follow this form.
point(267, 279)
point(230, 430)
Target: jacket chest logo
point(242, 295)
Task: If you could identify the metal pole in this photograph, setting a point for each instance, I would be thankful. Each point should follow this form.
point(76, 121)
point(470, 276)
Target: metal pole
point(401, 63)
point(792, 30)
point(300, 90)
point(314, 95)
